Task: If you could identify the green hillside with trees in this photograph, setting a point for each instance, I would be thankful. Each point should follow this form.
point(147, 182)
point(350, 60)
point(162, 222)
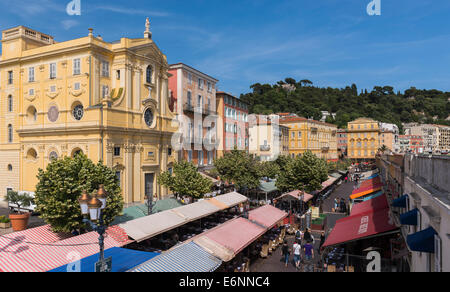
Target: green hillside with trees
point(381, 104)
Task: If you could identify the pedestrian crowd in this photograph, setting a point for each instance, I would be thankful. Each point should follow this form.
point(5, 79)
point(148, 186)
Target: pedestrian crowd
point(303, 243)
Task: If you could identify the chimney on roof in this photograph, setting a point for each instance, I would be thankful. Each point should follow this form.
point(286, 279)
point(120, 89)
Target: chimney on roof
point(147, 32)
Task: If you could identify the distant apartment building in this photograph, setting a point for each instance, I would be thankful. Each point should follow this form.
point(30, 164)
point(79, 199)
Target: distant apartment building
point(268, 139)
point(363, 137)
point(390, 140)
point(194, 101)
point(232, 126)
point(389, 136)
point(443, 138)
point(342, 143)
point(326, 114)
point(310, 135)
point(410, 143)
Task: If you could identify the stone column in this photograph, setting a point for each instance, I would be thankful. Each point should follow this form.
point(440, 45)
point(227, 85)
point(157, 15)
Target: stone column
point(137, 90)
point(128, 174)
point(129, 86)
point(138, 194)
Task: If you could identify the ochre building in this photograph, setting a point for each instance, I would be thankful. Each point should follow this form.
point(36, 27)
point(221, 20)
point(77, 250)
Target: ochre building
point(363, 139)
point(310, 135)
point(106, 100)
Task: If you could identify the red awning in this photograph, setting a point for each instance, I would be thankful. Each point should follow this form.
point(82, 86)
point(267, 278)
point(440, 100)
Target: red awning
point(372, 205)
point(267, 216)
point(367, 187)
point(360, 226)
point(367, 219)
point(371, 182)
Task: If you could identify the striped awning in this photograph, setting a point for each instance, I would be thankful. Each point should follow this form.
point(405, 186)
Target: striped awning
point(230, 238)
point(231, 199)
point(197, 210)
point(186, 258)
point(146, 227)
point(328, 182)
point(30, 238)
point(267, 216)
point(52, 255)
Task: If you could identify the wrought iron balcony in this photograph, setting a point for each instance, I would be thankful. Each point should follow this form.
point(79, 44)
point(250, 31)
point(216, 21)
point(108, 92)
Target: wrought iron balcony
point(264, 147)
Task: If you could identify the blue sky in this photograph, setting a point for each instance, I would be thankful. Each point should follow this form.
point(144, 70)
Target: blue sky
point(330, 42)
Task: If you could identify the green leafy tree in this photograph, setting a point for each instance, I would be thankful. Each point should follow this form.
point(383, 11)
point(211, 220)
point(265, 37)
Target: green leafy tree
point(20, 200)
point(383, 103)
point(185, 180)
point(239, 168)
point(269, 169)
point(62, 183)
point(306, 173)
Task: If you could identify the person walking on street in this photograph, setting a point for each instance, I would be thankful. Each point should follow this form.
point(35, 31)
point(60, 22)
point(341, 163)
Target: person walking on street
point(285, 252)
point(322, 240)
point(307, 237)
point(299, 235)
point(309, 253)
point(297, 254)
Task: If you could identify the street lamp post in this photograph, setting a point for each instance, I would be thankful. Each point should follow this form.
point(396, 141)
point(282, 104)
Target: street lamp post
point(92, 207)
point(149, 204)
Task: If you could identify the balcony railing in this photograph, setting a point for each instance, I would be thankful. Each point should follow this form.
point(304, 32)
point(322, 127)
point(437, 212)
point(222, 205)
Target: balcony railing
point(264, 147)
point(197, 109)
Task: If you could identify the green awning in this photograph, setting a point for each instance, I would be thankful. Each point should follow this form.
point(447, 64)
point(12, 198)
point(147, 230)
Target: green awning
point(165, 204)
point(130, 213)
point(268, 187)
point(138, 211)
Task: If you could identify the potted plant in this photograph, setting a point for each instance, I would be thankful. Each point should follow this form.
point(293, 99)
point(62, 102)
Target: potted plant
point(5, 222)
point(19, 220)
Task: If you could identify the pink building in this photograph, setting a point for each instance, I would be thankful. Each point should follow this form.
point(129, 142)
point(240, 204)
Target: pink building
point(193, 97)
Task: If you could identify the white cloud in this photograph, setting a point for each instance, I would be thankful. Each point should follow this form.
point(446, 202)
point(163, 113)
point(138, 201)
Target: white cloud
point(69, 23)
point(130, 11)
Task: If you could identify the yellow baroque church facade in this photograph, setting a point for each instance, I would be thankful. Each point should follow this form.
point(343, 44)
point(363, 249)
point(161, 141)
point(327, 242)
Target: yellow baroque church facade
point(109, 101)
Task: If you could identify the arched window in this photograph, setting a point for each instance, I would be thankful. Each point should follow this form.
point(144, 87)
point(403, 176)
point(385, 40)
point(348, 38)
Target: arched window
point(31, 154)
point(149, 74)
point(76, 152)
point(10, 103)
point(32, 114)
point(10, 133)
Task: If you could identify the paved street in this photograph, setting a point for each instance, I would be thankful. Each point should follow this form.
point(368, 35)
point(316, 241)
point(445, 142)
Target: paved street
point(342, 191)
point(274, 262)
